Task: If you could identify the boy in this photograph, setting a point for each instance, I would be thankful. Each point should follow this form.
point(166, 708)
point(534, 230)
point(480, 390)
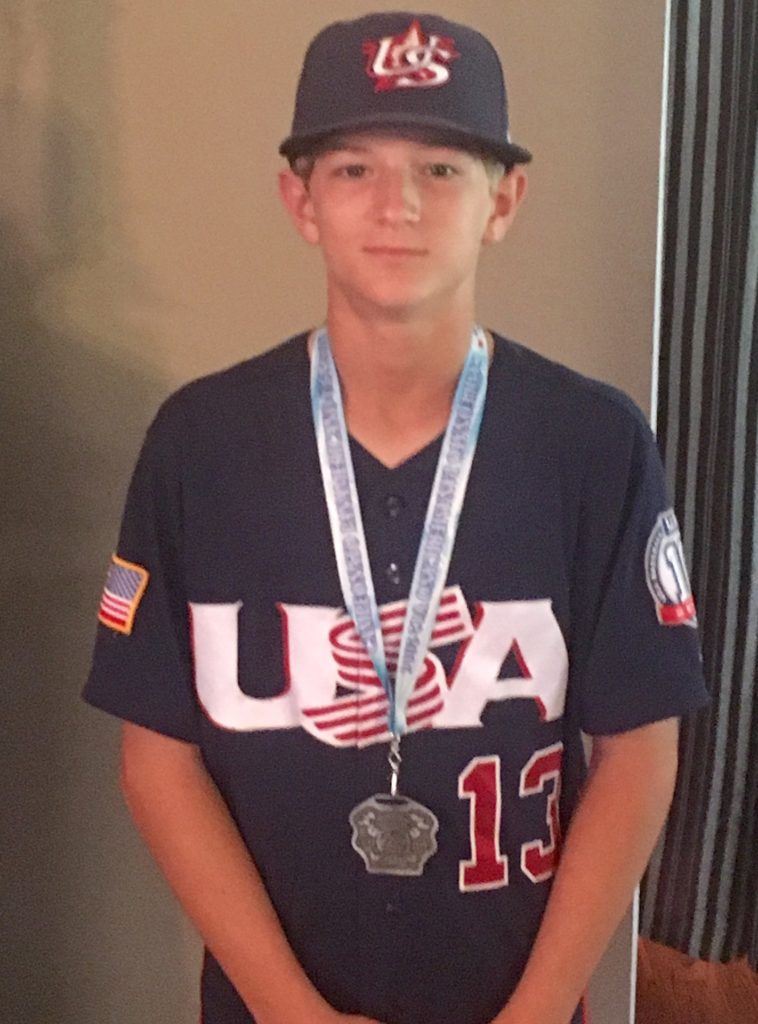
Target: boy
point(418, 560)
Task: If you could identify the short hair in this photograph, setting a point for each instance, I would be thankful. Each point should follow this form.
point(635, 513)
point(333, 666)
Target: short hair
point(303, 165)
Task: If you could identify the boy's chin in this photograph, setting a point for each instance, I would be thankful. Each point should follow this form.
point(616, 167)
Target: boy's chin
point(400, 300)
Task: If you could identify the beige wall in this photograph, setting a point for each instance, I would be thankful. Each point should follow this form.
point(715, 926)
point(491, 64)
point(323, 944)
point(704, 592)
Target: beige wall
point(141, 244)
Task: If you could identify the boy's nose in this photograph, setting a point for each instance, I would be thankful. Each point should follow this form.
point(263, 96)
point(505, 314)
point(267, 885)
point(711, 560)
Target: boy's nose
point(397, 198)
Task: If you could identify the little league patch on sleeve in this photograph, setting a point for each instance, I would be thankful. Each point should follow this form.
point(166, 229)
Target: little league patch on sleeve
point(124, 586)
point(666, 573)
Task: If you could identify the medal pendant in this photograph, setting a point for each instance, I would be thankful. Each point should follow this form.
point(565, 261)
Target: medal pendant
point(393, 834)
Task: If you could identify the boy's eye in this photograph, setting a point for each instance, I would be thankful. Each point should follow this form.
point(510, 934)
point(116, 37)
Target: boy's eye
point(441, 170)
point(352, 170)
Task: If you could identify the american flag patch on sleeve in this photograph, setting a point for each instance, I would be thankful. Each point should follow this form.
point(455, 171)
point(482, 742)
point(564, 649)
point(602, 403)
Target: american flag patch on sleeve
point(124, 586)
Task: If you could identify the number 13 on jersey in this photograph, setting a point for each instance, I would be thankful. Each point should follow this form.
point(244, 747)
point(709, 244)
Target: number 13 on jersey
point(480, 783)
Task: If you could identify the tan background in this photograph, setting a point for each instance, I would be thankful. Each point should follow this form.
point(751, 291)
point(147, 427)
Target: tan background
point(141, 244)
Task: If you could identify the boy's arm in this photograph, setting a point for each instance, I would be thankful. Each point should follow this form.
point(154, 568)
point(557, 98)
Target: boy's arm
point(192, 836)
point(608, 844)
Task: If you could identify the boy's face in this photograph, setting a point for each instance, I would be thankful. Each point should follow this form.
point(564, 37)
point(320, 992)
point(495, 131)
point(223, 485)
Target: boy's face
point(401, 222)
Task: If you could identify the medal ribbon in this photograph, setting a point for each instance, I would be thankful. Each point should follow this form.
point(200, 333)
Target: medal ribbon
point(440, 525)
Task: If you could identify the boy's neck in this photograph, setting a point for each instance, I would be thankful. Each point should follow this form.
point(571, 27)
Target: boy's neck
point(394, 362)
point(398, 377)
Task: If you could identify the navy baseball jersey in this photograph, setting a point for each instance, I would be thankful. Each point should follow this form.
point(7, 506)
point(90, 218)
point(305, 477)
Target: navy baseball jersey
point(566, 608)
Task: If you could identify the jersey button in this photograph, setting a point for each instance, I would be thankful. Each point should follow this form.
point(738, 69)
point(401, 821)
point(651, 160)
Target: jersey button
point(394, 505)
point(392, 572)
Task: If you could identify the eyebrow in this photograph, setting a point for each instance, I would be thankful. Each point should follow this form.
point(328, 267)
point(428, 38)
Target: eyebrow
point(345, 147)
point(338, 146)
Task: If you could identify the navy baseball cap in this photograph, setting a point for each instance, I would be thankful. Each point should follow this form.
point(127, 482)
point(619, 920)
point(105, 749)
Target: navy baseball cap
point(414, 73)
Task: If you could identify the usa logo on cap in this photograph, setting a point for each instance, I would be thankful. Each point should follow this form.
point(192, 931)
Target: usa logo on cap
point(412, 60)
point(666, 573)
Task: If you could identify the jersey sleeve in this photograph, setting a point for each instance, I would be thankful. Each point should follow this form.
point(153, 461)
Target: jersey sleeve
point(141, 667)
point(635, 651)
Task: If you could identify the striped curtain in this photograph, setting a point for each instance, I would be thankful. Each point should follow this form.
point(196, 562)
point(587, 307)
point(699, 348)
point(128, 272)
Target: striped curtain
point(700, 893)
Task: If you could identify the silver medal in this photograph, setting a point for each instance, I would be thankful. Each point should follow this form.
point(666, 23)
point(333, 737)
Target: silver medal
point(393, 834)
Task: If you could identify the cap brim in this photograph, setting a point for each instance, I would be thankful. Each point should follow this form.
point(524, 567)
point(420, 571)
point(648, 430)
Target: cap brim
point(436, 129)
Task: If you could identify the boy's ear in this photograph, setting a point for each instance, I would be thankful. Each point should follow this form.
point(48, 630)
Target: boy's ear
point(507, 196)
point(297, 201)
